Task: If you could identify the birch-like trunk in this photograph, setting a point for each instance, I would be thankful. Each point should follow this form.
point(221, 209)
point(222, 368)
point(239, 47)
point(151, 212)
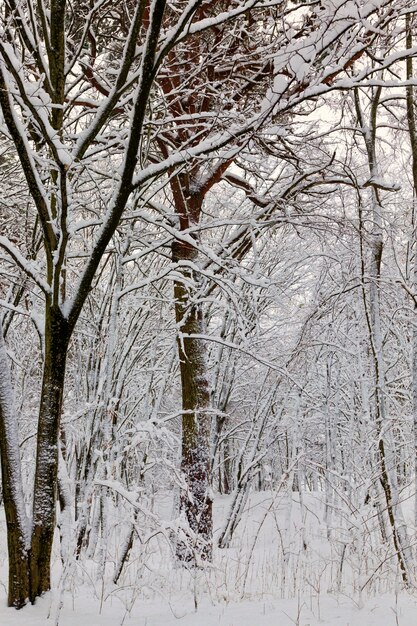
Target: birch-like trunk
point(223, 378)
point(386, 454)
point(248, 465)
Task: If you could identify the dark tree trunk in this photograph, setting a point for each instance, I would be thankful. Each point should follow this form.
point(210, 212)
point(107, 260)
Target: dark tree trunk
point(195, 499)
point(222, 449)
point(46, 473)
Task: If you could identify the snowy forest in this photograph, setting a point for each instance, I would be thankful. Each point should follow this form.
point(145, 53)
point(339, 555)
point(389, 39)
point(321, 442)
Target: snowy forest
point(208, 312)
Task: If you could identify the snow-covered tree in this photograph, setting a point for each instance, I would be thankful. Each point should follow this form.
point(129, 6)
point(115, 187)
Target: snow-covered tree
point(100, 125)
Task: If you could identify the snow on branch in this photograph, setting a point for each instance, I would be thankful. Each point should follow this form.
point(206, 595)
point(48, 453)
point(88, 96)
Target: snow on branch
point(26, 266)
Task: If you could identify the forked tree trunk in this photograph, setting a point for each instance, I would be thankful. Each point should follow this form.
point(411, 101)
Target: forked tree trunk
point(55, 214)
point(16, 518)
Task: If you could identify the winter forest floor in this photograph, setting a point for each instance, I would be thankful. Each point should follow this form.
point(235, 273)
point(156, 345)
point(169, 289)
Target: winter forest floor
point(284, 567)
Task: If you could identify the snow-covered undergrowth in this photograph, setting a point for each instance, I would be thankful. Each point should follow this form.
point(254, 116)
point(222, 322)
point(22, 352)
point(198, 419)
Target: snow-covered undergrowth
point(286, 565)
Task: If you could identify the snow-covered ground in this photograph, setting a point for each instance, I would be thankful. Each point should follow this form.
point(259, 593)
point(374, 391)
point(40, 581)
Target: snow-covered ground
point(284, 567)
point(384, 610)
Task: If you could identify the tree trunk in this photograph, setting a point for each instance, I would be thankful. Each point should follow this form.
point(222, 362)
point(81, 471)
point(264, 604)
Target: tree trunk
point(412, 132)
point(16, 518)
point(386, 446)
point(46, 473)
point(195, 498)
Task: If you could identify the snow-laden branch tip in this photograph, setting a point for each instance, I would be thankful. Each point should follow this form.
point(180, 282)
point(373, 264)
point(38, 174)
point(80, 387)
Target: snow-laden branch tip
point(28, 267)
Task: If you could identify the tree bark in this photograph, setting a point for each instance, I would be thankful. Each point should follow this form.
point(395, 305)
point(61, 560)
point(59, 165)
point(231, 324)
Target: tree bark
point(46, 472)
point(195, 499)
point(16, 518)
point(386, 452)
